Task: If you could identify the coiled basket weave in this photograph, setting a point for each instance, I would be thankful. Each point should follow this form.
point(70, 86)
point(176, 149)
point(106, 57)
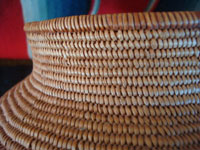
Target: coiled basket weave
point(116, 82)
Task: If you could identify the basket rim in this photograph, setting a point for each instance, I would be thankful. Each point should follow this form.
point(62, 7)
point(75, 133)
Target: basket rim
point(118, 21)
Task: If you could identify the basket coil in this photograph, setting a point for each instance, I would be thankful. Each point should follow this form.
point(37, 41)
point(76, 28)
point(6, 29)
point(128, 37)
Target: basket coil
point(116, 82)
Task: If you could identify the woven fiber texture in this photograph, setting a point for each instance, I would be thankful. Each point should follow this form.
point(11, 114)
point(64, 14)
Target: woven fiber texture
point(116, 82)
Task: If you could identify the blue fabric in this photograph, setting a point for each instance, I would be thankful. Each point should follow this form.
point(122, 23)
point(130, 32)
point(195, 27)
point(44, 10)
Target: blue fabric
point(37, 10)
point(60, 8)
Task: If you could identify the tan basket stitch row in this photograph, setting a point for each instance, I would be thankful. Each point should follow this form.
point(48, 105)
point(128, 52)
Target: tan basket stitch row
point(129, 72)
point(8, 142)
point(118, 66)
point(116, 22)
point(117, 101)
point(108, 111)
point(131, 128)
point(152, 102)
point(118, 45)
point(126, 91)
point(85, 107)
point(125, 54)
point(19, 137)
point(110, 35)
point(134, 101)
point(62, 119)
point(19, 125)
point(112, 54)
point(61, 81)
point(134, 110)
point(103, 75)
point(91, 97)
point(64, 71)
point(14, 133)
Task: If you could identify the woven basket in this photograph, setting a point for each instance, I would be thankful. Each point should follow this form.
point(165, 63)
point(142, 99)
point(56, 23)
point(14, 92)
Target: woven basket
point(116, 82)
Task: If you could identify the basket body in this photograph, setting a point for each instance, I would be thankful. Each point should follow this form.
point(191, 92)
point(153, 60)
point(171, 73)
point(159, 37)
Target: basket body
point(121, 81)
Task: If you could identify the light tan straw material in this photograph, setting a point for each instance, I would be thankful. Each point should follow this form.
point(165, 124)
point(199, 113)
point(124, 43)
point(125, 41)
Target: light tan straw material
point(116, 82)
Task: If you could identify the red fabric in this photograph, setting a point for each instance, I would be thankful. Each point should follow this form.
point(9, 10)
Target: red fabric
point(12, 36)
point(122, 6)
